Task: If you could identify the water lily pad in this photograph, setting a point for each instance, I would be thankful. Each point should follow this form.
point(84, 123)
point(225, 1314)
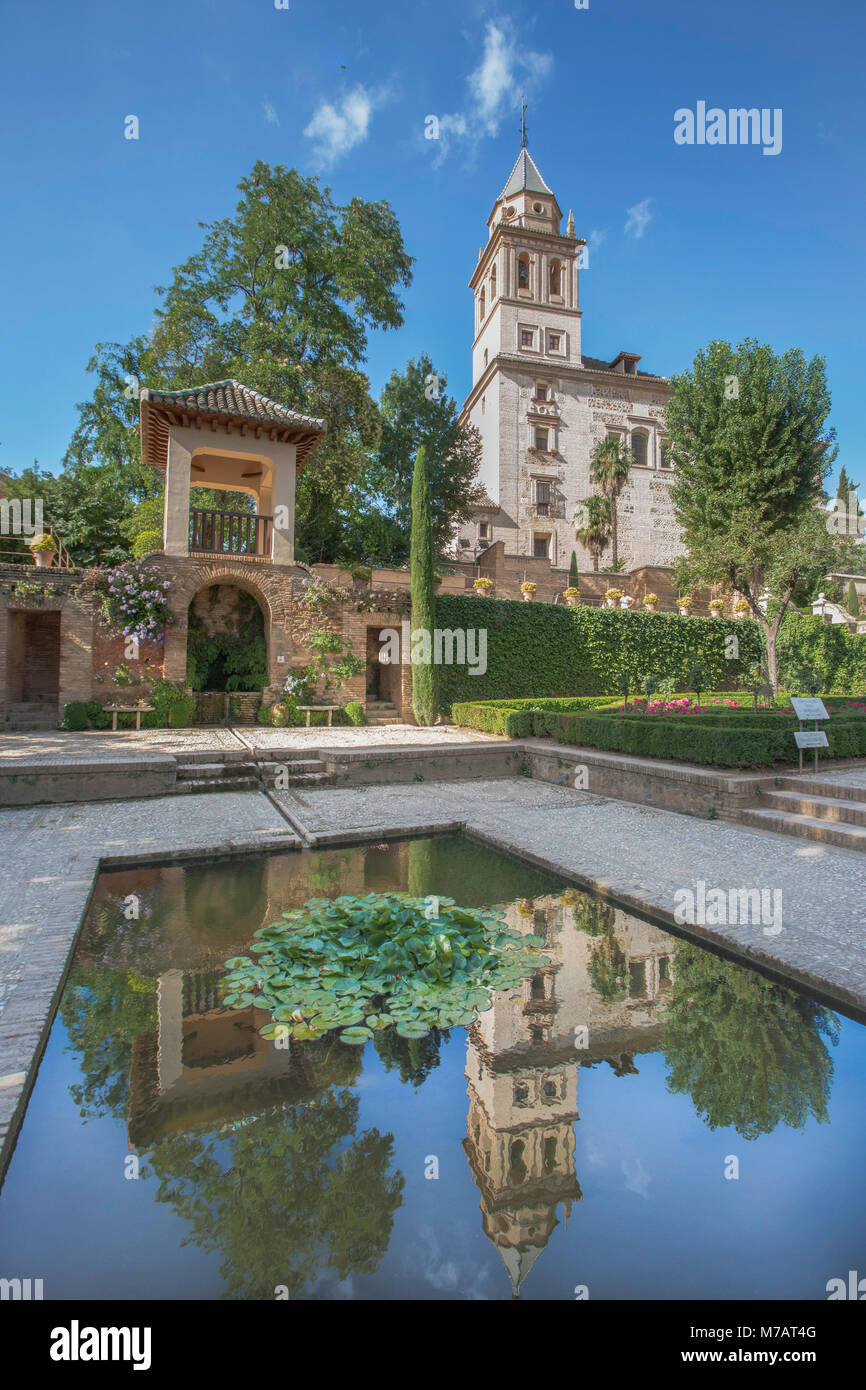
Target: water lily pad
point(355, 1036)
point(413, 1030)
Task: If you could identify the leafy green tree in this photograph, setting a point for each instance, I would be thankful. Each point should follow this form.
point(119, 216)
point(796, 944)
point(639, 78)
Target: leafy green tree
point(593, 526)
point(416, 411)
point(748, 438)
point(609, 469)
point(282, 296)
point(424, 673)
point(750, 1053)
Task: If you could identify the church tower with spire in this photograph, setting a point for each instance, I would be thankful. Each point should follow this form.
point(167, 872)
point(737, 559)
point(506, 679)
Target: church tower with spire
point(541, 405)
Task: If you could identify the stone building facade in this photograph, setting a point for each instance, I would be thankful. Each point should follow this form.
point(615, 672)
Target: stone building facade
point(541, 405)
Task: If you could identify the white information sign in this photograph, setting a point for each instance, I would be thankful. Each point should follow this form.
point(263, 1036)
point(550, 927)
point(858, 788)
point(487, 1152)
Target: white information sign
point(811, 738)
point(809, 707)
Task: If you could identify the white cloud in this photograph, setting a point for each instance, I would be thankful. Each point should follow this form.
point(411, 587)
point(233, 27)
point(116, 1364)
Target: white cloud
point(639, 218)
point(270, 113)
point(336, 128)
point(506, 71)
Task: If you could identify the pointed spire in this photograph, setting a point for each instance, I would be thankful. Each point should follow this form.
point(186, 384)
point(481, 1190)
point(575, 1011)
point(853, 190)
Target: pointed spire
point(523, 144)
point(569, 231)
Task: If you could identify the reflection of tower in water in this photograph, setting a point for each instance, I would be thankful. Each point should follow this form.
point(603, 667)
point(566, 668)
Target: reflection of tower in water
point(522, 1068)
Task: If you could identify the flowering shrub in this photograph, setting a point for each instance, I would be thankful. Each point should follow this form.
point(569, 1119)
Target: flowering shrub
point(615, 594)
point(297, 685)
point(137, 603)
point(320, 593)
point(681, 706)
point(527, 587)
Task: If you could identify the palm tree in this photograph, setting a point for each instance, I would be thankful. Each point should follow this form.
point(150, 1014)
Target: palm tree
point(592, 525)
point(609, 470)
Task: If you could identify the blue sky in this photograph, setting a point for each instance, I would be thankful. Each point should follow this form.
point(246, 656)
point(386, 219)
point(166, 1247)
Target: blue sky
point(687, 243)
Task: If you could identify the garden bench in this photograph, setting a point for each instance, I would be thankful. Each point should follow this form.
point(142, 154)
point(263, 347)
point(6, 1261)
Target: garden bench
point(309, 709)
point(137, 710)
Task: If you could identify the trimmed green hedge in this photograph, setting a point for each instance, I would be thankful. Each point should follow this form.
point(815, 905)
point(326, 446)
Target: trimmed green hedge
point(580, 651)
point(723, 740)
point(837, 656)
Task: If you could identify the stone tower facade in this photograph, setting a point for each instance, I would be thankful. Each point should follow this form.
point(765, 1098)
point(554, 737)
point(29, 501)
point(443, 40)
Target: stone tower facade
point(541, 405)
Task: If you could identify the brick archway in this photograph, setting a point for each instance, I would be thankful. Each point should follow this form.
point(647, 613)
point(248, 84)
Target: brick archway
point(271, 586)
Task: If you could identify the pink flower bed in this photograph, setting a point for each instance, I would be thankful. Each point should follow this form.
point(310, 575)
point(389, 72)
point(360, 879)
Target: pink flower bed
point(682, 706)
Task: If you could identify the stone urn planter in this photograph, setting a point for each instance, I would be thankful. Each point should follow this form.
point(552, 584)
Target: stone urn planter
point(572, 597)
point(42, 547)
point(651, 602)
point(685, 605)
point(717, 608)
point(612, 598)
point(741, 609)
point(528, 592)
point(483, 587)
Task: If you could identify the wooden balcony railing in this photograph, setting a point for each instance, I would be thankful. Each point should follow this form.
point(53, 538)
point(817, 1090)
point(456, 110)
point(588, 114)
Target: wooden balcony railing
point(229, 533)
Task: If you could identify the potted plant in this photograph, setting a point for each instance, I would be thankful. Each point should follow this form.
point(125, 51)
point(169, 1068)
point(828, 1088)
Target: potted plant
point(528, 591)
point(483, 587)
point(685, 603)
point(42, 548)
point(741, 608)
point(651, 602)
point(571, 596)
point(612, 597)
point(716, 607)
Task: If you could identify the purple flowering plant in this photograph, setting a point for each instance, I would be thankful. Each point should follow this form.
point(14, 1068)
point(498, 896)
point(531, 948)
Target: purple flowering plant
point(137, 603)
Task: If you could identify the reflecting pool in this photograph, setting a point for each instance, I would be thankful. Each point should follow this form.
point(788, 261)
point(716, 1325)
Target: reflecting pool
point(637, 1119)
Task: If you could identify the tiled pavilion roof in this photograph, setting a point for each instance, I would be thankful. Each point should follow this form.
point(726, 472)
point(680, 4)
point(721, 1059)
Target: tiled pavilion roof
point(222, 403)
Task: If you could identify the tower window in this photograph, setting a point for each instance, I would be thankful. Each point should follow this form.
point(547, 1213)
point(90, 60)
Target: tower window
point(542, 497)
point(483, 304)
point(527, 337)
point(493, 284)
point(523, 271)
point(554, 342)
point(639, 441)
point(542, 438)
point(665, 454)
point(556, 277)
point(483, 529)
point(540, 547)
point(540, 391)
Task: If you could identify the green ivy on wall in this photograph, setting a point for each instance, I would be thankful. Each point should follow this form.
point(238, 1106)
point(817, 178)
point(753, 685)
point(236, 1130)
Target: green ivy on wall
point(836, 655)
point(234, 659)
point(543, 649)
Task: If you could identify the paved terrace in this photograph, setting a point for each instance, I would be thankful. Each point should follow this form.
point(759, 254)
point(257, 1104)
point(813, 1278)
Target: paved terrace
point(642, 855)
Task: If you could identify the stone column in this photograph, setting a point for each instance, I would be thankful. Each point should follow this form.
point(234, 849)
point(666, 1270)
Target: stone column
point(177, 483)
point(283, 544)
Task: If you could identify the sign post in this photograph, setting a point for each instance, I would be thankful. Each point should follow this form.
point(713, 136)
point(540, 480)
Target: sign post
point(810, 708)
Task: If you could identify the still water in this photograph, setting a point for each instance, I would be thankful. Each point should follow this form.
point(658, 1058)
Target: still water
point(639, 1120)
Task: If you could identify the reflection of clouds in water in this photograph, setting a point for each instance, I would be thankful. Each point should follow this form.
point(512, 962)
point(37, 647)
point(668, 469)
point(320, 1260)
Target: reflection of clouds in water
point(598, 1154)
point(452, 1275)
point(637, 1179)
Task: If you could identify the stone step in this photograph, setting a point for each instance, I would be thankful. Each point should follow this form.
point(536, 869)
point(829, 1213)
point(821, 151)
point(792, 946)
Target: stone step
point(817, 786)
point(829, 808)
point(293, 765)
point(806, 827)
point(214, 784)
point(378, 720)
point(214, 771)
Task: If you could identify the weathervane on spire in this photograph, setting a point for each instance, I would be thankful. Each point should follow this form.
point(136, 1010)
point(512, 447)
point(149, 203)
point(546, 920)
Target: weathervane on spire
point(523, 124)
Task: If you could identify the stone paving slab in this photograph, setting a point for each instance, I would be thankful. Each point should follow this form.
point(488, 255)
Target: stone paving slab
point(99, 743)
point(51, 856)
point(367, 736)
point(849, 777)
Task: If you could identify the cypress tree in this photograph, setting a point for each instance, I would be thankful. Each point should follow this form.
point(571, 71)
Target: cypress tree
point(573, 576)
point(852, 603)
point(424, 682)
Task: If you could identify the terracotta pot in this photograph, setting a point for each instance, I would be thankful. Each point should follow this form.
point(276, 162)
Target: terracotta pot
point(528, 598)
point(573, 601)
point(650, 607)
point(43, 558)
